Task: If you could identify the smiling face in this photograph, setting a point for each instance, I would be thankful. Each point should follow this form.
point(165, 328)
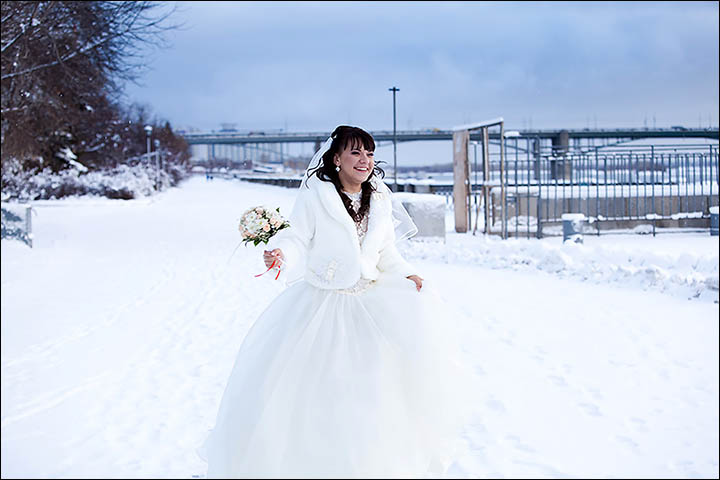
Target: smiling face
point(356, 164)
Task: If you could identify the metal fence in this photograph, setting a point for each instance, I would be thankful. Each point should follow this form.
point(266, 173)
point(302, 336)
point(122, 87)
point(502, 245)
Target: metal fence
point(616, 187)
point(16, 222)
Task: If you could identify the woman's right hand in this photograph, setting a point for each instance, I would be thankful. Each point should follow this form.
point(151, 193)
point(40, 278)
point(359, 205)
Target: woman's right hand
point(275, 255)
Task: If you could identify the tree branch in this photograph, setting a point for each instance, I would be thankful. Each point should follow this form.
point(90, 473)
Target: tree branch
point(59, 60)
point(24, 30)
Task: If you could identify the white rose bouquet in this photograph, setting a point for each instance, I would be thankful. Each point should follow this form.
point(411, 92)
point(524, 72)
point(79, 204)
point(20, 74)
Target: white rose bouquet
point(259, 224)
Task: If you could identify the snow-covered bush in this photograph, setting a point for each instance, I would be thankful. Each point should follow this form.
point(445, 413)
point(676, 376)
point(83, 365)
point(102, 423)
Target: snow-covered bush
point(122, 182)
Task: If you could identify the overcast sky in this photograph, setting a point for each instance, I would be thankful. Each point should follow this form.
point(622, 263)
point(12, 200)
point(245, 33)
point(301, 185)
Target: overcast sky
point(309, 66)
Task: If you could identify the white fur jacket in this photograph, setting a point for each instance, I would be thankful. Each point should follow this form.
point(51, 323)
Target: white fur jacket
point(322, 246)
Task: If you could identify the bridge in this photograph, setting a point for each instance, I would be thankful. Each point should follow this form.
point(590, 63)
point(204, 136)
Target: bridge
point(259, 147)
point(237, 138)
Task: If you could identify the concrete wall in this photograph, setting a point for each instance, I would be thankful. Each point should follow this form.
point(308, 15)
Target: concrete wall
point(623, 207)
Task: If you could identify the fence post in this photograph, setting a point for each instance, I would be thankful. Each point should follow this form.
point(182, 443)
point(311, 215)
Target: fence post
point(503, 193)
point(157, 170)
point(28, 225)
point(538, 232)
point(486, 177)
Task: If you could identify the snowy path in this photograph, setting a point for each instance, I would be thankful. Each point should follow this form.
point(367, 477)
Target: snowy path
point(120, 327)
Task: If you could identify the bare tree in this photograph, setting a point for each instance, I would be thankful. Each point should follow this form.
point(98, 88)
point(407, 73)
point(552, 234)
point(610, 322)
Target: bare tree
point(62, 63)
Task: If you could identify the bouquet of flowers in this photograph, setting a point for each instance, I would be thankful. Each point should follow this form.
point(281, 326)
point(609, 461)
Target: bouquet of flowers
point(259, 224)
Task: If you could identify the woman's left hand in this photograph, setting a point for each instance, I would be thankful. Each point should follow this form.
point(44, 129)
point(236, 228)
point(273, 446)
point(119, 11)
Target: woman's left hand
point(418, 281)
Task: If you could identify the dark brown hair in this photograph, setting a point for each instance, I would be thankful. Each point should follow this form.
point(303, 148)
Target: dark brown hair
point(345, 137)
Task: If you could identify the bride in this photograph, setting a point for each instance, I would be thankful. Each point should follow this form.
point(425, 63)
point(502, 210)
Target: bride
point(350, 371)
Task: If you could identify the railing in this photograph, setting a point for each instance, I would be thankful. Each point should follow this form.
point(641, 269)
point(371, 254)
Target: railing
point(614, 186)
point(17, 222)
point(611, 184)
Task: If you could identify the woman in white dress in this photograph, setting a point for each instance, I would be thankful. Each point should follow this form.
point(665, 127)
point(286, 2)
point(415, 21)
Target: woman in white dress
point(350, 371)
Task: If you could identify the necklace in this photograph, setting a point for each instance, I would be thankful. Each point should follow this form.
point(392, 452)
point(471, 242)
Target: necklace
point(360, 225)
point(355, 200)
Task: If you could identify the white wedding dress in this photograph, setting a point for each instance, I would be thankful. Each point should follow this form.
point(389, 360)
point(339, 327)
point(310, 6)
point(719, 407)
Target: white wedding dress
point(362, 382)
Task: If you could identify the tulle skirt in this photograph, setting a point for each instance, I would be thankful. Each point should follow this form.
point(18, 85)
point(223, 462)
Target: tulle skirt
point(330, 384)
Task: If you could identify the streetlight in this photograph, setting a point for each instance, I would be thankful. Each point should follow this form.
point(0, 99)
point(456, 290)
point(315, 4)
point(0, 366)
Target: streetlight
point(394, 90)
point(148, 131)
point(158, 156)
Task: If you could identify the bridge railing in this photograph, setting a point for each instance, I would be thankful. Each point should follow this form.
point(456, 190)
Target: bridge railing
point(207, 138)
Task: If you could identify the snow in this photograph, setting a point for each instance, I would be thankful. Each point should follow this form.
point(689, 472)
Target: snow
point(123, 181)
point(684, 265)
point(69, 156)
point(121, 324)
point(671, 141)
point(429, 199)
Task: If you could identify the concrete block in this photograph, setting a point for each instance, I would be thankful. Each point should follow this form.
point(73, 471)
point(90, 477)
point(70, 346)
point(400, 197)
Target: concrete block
point(427, 211)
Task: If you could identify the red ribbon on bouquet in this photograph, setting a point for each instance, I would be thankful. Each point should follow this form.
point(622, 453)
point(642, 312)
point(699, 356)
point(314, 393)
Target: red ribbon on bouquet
point(271, 267)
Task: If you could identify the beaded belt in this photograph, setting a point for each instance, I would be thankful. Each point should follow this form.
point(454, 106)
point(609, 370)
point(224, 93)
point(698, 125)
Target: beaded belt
point(362, 285)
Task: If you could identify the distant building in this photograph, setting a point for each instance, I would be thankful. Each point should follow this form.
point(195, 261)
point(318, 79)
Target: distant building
point(228, 127)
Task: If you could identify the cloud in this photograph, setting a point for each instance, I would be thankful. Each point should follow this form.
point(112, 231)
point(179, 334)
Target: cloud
point(307, 64)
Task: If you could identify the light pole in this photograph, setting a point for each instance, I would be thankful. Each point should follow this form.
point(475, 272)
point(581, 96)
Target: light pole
point(394, 90)
point(148, 131)
point(158, 157)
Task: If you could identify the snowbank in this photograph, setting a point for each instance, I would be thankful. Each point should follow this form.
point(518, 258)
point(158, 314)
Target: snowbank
point(684, 264)
point(123, 182)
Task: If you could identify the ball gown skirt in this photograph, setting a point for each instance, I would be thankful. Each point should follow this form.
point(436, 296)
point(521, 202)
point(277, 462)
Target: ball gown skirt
point(333, 384)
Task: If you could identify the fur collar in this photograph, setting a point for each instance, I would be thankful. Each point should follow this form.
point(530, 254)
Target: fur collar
point(378, 213)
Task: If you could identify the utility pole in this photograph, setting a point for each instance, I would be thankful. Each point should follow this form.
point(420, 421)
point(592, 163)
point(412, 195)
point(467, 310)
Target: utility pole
point(394, 90)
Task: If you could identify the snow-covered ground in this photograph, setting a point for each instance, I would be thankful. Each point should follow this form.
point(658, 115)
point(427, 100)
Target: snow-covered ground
point(120, 327)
